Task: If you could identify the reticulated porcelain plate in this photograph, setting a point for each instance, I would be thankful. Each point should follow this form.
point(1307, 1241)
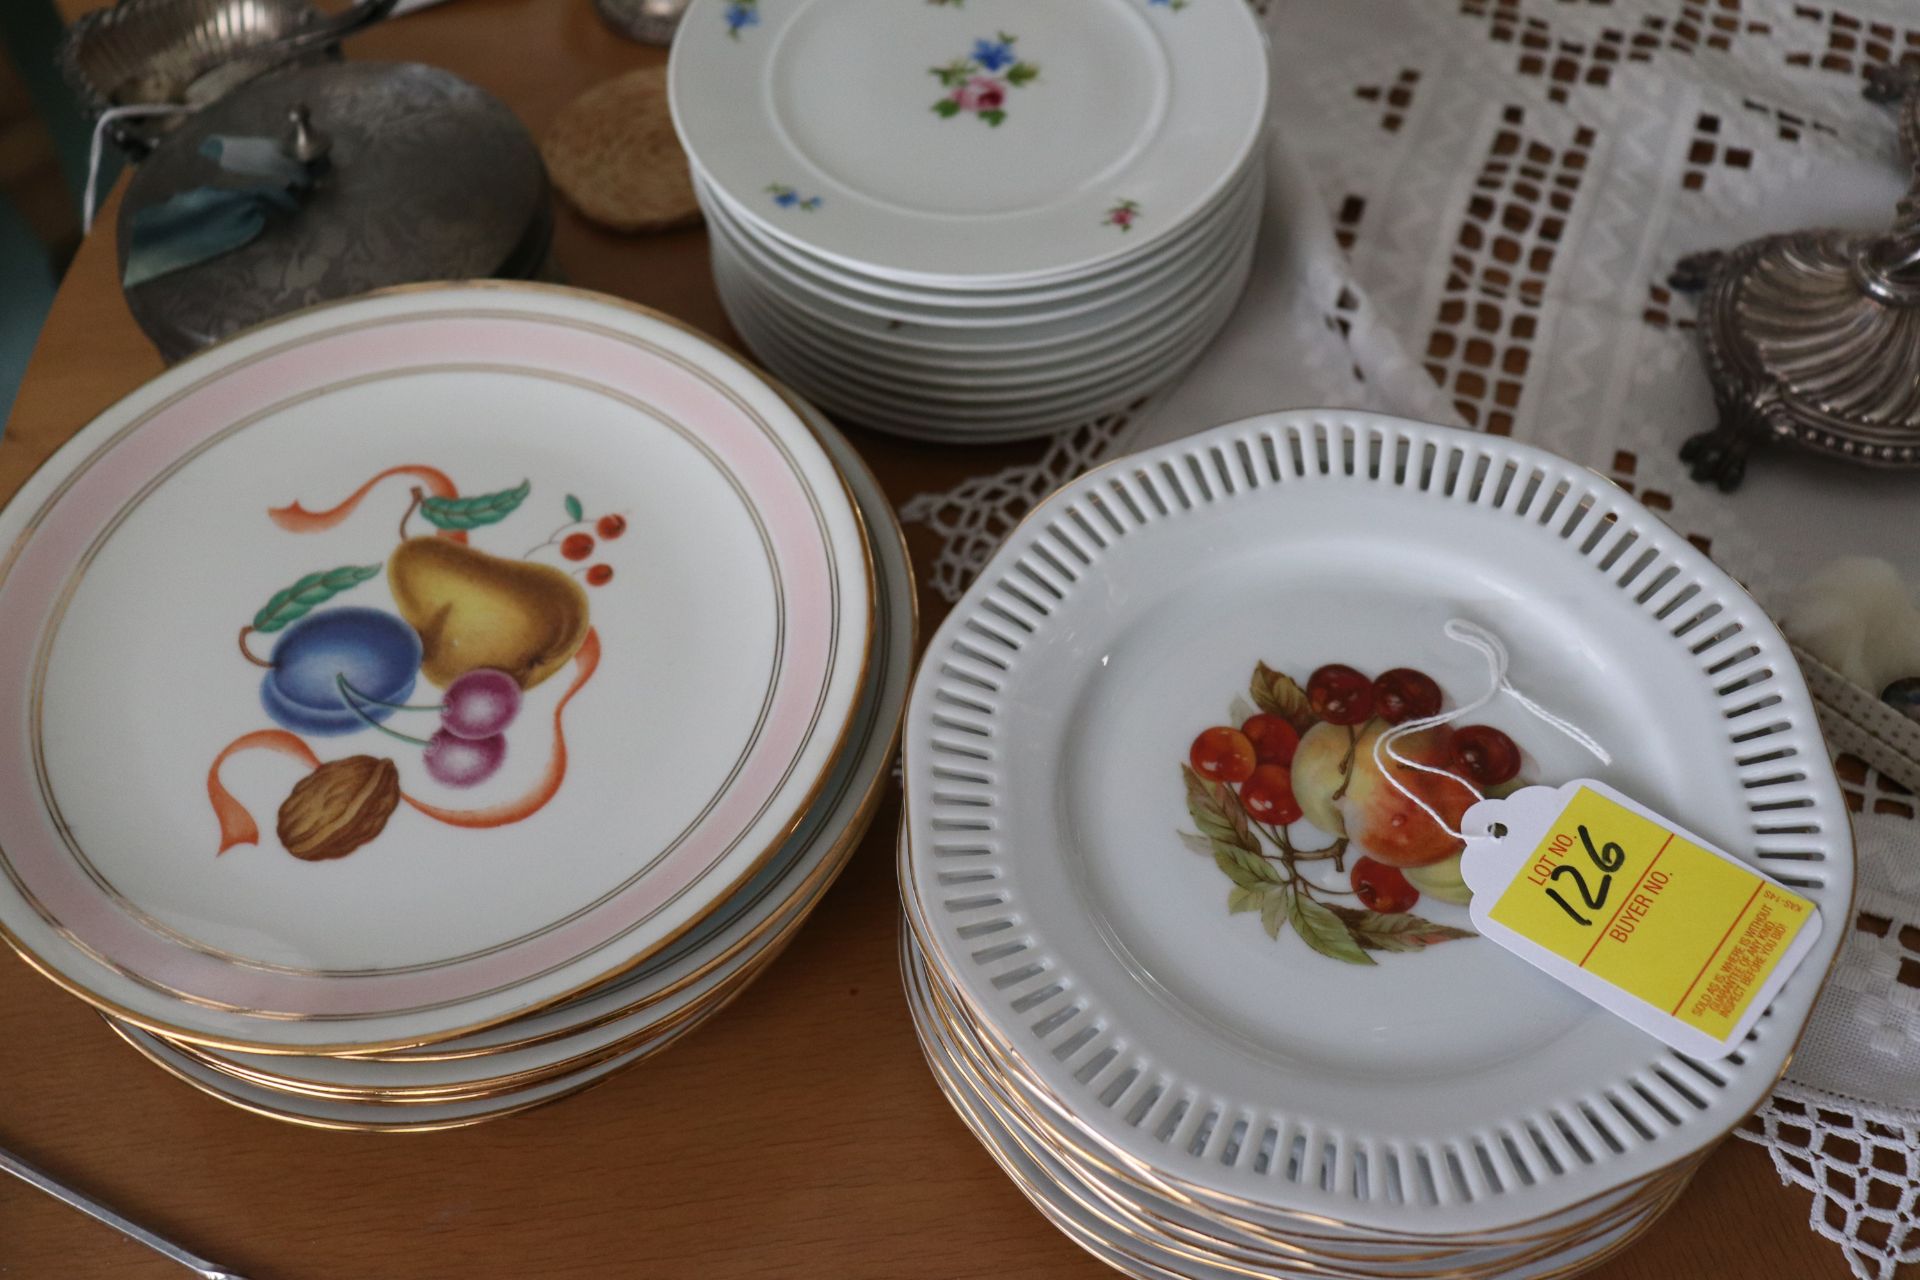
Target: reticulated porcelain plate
point(944, 144)
point(1149, 847)
point(1102, 1215)
point(413, 663)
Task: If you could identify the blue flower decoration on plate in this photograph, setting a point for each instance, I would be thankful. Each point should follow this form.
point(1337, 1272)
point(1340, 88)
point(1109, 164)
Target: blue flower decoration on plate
point(992, 54)
point(741, 15)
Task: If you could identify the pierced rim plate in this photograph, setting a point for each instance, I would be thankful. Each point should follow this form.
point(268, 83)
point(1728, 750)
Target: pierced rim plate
point(675, 721)
point(1111, 1216)
point(977, 145)
point(1446, 1089)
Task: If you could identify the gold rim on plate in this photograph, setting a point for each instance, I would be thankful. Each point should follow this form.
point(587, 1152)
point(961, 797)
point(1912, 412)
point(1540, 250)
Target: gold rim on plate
point(1220, 1204)
point(1642, 1211)
point(159, 1027)
point(1258, 1244)
point(793, 909)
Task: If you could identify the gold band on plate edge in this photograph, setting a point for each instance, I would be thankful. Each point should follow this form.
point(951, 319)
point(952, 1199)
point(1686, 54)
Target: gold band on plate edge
point(1255, 1238)
point(786, 916)
point(181, 1035)
point(913, 911)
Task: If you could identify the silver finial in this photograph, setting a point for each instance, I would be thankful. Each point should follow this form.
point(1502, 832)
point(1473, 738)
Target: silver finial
point(304, 142)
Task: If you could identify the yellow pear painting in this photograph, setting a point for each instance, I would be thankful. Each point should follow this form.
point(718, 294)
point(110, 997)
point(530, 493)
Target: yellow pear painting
point(479, 627)
point(473, 610)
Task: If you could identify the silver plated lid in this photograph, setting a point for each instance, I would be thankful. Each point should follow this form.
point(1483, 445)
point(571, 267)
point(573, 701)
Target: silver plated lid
point(427, 178)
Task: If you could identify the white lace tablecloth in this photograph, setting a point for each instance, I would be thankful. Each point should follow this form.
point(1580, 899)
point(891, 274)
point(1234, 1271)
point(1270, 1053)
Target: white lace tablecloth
point(1473, 209)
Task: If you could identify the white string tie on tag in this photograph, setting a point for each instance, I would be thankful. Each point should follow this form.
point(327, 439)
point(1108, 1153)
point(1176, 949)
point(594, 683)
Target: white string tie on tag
point(1490, 646)
point(89, 201)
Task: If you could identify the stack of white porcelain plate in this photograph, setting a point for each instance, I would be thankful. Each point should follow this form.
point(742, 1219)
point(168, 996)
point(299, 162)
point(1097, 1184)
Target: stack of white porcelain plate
point(421, 707)
point(1204, 983)
point(975, 221)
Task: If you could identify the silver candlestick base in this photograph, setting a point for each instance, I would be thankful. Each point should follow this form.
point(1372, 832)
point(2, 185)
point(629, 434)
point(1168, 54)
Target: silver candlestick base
point(1814, 337)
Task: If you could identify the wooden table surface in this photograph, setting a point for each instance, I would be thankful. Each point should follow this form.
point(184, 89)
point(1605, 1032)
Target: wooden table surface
point(798, 1134)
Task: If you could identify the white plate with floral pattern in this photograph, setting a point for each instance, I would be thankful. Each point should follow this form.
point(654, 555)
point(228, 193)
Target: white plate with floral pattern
point(413, 663)
point(1199, 634)
point(970, 145)
point(1076, 318)
point(1235, 207)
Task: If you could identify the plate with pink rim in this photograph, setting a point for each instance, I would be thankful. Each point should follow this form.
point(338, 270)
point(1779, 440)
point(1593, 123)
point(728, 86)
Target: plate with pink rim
point(1151, 851)
point(984, 145)
point(412, 663)
point(677, 982)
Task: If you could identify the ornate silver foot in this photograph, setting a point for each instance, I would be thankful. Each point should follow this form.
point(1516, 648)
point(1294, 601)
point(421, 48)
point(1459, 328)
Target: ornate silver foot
point(1691, 273)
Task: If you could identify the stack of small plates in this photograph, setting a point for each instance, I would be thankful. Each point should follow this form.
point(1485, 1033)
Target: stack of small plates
point(1205, 988)
point(975, 221)
point(426, 705)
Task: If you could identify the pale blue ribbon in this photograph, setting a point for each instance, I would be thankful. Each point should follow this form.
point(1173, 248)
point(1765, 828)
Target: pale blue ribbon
point(202, 223)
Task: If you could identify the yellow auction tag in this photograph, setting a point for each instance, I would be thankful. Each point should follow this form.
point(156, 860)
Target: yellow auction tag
point(1681, 938)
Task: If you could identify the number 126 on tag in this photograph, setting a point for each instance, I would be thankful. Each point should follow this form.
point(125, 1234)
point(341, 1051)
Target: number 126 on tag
point(1638, 914)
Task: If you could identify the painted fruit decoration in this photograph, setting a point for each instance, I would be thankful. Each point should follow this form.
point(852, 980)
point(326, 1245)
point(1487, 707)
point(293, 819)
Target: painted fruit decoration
point(469, 633)
point(1301, 759)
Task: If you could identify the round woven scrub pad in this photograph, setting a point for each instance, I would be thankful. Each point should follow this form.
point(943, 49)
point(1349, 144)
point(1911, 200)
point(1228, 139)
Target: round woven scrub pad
point(611, 152)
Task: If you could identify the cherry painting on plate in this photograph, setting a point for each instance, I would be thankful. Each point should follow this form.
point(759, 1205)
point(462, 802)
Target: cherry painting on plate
point(480, 628)
point(1296, 813)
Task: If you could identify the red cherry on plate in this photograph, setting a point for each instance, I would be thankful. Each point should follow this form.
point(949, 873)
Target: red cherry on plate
point(577, 546)
point(1274, 740)
point(1340, 695)
point(480, 704)
point(1488, 755)
point(1267, 796)
point(600, 575)
point(463, 762)
point(611, 527)
point(1381, 887)
point(1222, 754)
point(1404, 694)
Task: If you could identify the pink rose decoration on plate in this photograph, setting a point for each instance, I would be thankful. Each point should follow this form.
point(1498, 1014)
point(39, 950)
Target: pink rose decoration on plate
point(979, 82)
point(982, 93)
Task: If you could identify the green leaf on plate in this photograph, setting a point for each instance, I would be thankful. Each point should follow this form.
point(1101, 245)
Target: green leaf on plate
point(471, 513)
point(1021, 73)
point(1326, 932)
point(1233, 866)
point(993, 117)
point(1252, 865)
point(1396, 931)
point(1216, 810)
point(1278, 695)
point(947, 107)
point(1276, 909)
point(1196, 844)
point(292, 603)
point(575, 512)
point(1240, 899)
